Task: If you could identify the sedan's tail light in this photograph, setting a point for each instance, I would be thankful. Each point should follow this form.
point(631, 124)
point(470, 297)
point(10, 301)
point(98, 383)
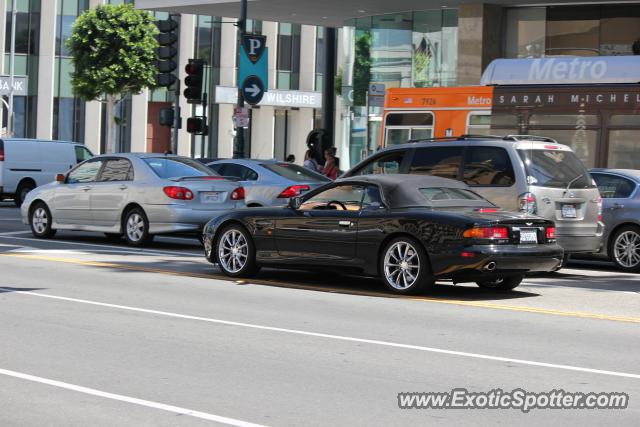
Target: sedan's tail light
point(293, 191)
point(551, 234)
point(527, 203)
point(487, 233)
point(178, 193)
point(238, 194)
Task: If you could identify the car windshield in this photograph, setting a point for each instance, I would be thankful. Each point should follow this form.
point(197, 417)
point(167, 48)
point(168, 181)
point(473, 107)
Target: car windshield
point(294, 172)
point(175, 167)
point(555, 168)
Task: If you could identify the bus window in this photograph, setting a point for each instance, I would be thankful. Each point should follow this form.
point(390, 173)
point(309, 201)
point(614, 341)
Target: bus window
point(402, 127)
point(479, 123)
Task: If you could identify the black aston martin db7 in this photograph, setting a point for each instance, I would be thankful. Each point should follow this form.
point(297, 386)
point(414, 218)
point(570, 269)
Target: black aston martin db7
point(409, 230)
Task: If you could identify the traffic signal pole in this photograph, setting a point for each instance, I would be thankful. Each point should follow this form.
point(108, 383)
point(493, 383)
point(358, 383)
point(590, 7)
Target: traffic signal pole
point(176, 108)
point(238, 146)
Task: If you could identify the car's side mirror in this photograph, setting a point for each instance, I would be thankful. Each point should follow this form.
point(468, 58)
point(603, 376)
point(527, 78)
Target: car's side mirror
point(295, 203)
point(60, 178)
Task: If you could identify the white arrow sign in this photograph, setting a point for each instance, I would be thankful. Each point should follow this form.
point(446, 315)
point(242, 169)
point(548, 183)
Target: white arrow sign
point(254, 90)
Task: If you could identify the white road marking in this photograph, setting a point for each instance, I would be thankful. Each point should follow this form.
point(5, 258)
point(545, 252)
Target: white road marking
point(334, 337)
point(10, 219)
point(133, 400)
point(14, 233)
point(96, 245)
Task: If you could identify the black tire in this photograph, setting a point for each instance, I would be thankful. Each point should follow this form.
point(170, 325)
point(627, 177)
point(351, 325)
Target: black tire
point(135, 226)
point(21, 192)
point(404, 259)
point(624, 249)
point(508, 283)
point(40, 221)
point(229, 238)
point(115, 237)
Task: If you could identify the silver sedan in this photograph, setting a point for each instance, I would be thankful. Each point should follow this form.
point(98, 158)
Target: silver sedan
point(135, 195)
point(269, 182)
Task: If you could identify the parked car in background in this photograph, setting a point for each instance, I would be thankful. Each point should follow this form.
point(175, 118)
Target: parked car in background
point(525, 173)
point(407, 230)
point(29, 163)
point(620, 193)
point(135, 195)
point(269, 182)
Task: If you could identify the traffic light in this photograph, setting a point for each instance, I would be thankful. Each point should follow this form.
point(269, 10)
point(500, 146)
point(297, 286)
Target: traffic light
point(167, 52)
point(193, 81)
point(197, 125)
point(167, 117)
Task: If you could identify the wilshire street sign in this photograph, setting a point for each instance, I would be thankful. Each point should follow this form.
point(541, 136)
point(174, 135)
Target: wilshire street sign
point(20, 85)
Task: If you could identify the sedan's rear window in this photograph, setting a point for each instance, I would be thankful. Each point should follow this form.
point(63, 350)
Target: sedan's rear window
point(294, 172)
point(439, 194)
point(174, 167)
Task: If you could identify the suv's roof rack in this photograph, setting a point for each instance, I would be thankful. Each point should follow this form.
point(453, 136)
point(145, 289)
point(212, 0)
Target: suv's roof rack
point(529, 138)
point(456, 138)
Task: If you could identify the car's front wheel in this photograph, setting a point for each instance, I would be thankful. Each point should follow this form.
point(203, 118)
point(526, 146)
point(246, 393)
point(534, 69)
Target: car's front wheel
point(136, 228)
point(236, 252)
point(40, 221)
point(502, 283)
point(404, 266)
point(625, 249)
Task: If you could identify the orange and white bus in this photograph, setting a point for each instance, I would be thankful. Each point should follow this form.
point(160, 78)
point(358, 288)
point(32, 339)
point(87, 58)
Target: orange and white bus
point(418, 113)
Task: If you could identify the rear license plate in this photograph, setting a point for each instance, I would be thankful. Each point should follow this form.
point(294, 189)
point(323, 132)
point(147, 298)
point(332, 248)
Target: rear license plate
point(528, 235)
point(569, 211)
point(210, 196)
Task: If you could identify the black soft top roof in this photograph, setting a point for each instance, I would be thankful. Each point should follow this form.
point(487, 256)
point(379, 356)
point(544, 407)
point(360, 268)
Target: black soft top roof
point(403, 190)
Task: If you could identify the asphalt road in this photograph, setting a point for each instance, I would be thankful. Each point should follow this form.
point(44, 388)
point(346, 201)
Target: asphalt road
point(96, 333)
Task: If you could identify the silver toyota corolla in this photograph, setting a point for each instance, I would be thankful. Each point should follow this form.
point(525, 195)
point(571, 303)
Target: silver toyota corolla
point(135, 195)
point(269, 182)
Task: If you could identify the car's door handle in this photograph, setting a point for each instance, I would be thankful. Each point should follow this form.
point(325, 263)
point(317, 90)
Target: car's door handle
point(616, 206)
point(86, 188)
point(345, 223)
point(124, 187)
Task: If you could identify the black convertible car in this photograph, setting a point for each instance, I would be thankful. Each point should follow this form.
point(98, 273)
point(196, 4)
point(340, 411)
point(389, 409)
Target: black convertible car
point(409, 230)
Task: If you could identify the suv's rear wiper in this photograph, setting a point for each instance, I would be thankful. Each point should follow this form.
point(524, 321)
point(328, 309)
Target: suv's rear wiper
point(572, 181)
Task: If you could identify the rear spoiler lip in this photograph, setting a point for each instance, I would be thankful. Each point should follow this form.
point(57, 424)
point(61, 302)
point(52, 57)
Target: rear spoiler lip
point(203, 178)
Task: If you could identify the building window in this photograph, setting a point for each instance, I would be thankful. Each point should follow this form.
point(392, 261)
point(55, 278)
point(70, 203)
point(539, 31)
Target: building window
point(26, 63)
point(288, 56)
point(320, 57)
point(68, 111)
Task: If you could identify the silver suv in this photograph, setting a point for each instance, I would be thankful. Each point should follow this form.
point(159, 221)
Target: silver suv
point(518, 173)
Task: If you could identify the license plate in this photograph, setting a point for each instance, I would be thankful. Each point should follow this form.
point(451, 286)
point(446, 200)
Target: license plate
point(210, 196)
point(569, 211)
point(528, 236)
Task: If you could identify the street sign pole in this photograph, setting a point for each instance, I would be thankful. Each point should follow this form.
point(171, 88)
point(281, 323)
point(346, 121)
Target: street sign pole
point(12, 65)
point(177, 113)
point(238, 146)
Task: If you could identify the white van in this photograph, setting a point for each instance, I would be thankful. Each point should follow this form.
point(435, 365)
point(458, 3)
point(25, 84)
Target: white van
point(28, 163)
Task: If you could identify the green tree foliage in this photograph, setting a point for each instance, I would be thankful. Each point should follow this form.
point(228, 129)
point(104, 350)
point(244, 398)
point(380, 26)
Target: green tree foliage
point(114, 54)
point(362, 69)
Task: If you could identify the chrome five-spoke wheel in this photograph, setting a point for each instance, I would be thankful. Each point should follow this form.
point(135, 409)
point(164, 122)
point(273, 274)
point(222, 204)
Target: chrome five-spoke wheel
point(135, 227)
point(404, 266)
point(626, 249)
point(40, 220)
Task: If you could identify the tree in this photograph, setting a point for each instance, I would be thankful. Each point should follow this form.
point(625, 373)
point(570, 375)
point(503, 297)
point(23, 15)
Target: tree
point(113, 51)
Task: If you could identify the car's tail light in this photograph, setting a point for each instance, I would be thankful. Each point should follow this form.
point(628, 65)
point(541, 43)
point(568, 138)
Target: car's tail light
point(487, 210)
point(487, 233)
point(551, 234)
point(293, 191)
point(1, 150)
point(599, 209)
point(527, 203)
point(238, 194)
point(178, 193)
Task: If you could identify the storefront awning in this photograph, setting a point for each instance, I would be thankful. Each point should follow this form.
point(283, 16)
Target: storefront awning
point(563, 70)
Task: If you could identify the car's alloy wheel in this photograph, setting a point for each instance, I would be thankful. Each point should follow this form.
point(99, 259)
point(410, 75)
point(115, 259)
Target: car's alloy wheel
point(404, 266)
point(235, 252)
point(136, 228)
point(626, 249)
point(501, 283)
point(40, 221)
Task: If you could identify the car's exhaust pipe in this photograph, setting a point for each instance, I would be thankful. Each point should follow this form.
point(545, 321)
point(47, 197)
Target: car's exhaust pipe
point(490, 266)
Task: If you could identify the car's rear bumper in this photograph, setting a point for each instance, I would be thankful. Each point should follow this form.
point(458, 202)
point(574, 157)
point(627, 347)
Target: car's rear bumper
point(576, 244)
point(484, 262)
point(173, 219)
